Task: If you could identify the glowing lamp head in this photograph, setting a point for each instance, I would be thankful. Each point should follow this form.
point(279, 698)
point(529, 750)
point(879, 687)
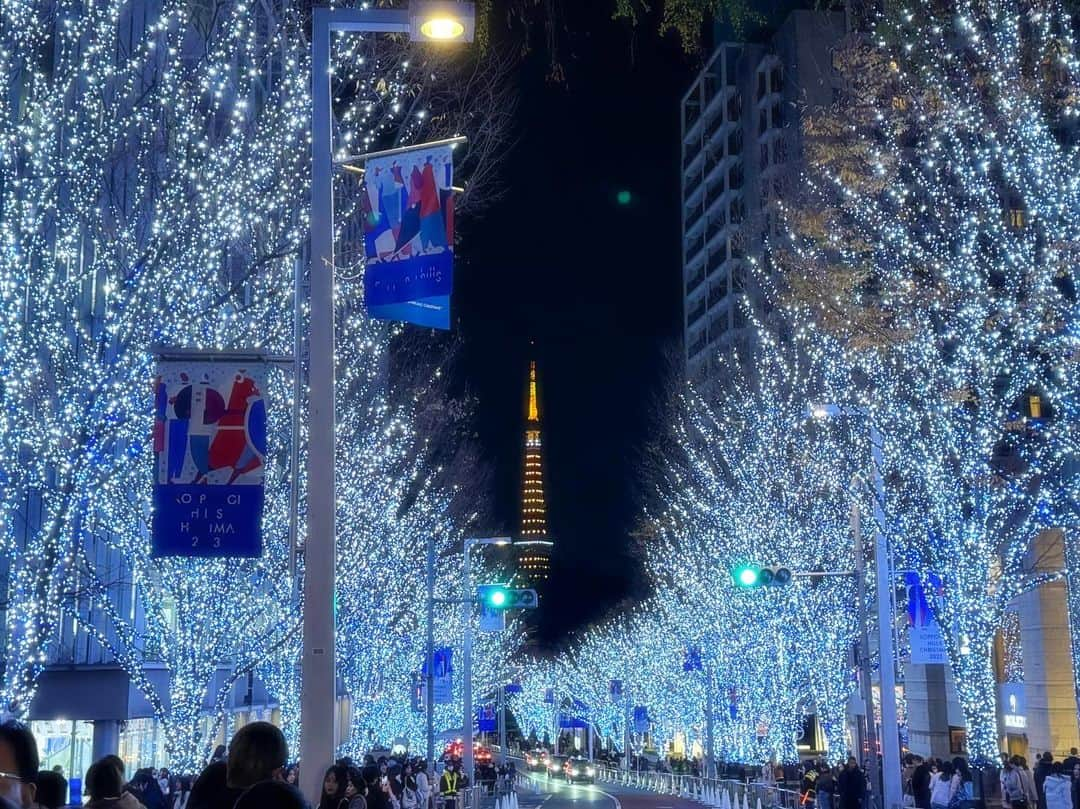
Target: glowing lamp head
point(497, 598)
point(442, 28)
point(442, 20)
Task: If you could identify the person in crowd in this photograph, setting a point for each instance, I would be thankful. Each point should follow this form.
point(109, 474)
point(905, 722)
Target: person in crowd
point(257, 752)
point(410, 790)
point(292, 774)
point(423, 785)
point(449, 785)
point(944, 786)
point(104, 783)
point(219, 754)
point(1013, 795)
point(1044, 765)
point(826, 787)
point(850, 785)
point(356, 791)
point(271, 795)
point(962, 772)
point(208, 786)
point(18, 764)
point(375, 795)
point(1076, 786)
point(335, 783)
point(144, 786)
point(52, 789)
point(1057, 788)
point(181, 792)
point(921, 778)
point(1068, 766)
point(1029, 782)
point(808, 786)
point(165, 782)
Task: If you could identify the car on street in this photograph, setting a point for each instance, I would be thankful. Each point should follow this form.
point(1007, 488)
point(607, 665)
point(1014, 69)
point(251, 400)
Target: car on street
point(579, 770)
point(536, 760)
point(555, 766)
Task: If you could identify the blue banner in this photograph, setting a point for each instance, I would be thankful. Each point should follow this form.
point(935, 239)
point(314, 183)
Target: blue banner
point(692, 662)
point(408, 209)
point(485, 719)
point(616, 689)
point(641, 719)
point(209, 451)
point(567, 720)
point(443, 684)
point(549, 696)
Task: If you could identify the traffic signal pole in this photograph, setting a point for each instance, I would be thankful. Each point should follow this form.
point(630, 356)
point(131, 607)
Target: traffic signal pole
point(710, 707)
point(467, 736)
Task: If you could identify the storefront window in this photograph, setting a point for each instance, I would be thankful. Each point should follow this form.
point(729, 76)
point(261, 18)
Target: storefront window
point(66, 744)
point(142, 744)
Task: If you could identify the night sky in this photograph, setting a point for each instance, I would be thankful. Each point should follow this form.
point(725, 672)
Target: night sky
point(561, 271)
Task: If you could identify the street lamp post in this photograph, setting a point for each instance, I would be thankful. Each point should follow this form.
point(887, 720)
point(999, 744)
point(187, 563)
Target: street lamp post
point(468, 599)
point(423, 20)
point(891, 791)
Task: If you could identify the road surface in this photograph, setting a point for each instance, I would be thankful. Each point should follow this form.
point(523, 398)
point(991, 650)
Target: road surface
point(554, 793)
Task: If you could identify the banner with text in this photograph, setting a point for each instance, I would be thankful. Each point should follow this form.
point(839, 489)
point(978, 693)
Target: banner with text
point(924, 634)
point(209, 450)
point(408, 209)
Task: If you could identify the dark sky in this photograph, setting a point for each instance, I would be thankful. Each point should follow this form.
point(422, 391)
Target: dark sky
point(594, 284)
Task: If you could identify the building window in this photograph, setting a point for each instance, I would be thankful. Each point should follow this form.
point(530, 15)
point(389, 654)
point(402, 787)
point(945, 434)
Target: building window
point(899, 103)
point(957, 741)
point(760, 85)
point(1016, 218)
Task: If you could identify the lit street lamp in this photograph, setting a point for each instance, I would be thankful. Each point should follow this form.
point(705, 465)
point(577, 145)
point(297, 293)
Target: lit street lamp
point(424, 20)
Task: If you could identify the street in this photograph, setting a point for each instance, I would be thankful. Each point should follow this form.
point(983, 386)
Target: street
point(554, 793)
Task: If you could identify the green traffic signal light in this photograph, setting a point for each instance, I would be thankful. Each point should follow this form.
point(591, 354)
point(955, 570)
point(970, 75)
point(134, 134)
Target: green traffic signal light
point(746, 576)
point(495, 597)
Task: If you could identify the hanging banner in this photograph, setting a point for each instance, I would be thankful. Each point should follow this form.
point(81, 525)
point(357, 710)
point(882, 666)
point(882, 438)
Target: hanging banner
point(692, 661)
point(209, 451)
point(408, 209)
point(615, 689)
point(549, 696)
point(485, 719)
point(641, 719)
point(924, 634)
point(443, 680)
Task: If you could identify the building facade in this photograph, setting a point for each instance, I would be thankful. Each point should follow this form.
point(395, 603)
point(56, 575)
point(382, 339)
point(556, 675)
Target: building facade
point(741, 146)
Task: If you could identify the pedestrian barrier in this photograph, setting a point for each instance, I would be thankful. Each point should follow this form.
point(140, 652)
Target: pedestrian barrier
point(715, 793)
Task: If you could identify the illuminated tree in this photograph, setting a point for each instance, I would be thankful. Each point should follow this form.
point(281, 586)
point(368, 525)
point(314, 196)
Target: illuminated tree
point(756, 483)
point(153, 177)
point(939, 240)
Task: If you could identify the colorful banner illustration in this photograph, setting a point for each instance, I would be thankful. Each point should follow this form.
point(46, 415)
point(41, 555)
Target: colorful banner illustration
point(408, 209)
point(209, 455)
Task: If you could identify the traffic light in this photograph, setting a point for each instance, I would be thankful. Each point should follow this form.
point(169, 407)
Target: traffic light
point(751, 576)
point(497, 597)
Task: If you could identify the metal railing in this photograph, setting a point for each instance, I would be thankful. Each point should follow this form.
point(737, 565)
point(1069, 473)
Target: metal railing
point(721, 793)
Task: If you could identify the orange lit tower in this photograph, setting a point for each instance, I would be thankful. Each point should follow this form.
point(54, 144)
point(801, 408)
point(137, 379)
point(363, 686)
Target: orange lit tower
point(533, 545)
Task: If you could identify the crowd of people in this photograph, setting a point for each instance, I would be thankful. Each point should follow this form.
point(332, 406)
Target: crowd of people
point(1051, 785)
point(252, 773)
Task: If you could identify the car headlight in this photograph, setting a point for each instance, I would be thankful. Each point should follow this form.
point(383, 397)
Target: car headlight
point(590, 771)
point(574, 772)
